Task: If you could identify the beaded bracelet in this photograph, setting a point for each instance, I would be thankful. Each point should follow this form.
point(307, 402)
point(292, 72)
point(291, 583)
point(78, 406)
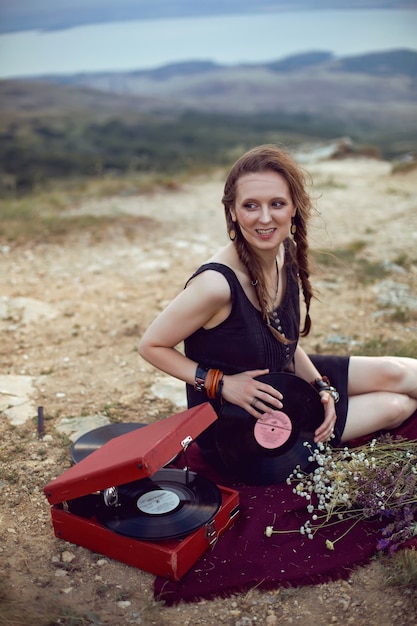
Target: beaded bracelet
point(323, 384)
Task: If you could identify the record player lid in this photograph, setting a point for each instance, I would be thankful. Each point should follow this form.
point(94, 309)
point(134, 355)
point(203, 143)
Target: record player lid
point(132, 456)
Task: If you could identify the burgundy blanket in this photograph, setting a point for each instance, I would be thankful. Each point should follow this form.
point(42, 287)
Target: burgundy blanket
point(244, 558)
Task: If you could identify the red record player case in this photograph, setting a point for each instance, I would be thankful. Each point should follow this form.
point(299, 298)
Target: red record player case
point(127, 458)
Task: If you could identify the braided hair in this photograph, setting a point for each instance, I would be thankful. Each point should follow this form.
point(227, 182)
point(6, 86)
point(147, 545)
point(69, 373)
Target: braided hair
point(271, 158)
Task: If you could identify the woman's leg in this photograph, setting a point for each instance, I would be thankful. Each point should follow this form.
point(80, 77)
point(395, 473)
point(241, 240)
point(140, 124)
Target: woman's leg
point(380, 410)
point(382, 373)
point(382, 394)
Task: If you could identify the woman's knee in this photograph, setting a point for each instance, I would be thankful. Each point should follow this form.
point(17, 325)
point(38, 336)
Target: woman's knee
point(399, 408)
point(372, 374)
point(393, 372)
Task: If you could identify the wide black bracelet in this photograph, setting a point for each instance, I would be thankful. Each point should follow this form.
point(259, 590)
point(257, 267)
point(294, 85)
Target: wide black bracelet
point(323, 384)
point(200, 378)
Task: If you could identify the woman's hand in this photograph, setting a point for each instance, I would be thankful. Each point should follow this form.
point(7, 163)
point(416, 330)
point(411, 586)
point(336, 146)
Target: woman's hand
point(325, 431)
point(250, 394)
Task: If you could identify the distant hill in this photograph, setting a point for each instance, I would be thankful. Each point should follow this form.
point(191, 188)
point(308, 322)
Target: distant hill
point(300, 61)
point(21, 100)
point(183, 68)
point(394, 63)
point(388, 63)
point(379, 87)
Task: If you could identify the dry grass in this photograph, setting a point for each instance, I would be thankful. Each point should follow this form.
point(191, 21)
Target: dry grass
point(41, 216)
point(402, 569)
point(352, 261)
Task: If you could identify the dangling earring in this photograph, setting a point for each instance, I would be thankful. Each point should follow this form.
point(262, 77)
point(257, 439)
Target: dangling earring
point(293, 228)
point(232, 231)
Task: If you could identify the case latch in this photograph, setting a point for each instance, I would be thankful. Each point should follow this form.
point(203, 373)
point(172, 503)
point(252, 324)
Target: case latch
point(186, 442)
point(211, 533)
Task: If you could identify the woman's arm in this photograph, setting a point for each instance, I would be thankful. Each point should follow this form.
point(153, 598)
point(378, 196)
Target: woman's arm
point(204, 302)
point(304, 368)
point(193, 308)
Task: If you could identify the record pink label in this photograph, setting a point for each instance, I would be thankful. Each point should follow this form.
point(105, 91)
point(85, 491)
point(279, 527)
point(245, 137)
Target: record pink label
point(158, 501)
point(273, 431)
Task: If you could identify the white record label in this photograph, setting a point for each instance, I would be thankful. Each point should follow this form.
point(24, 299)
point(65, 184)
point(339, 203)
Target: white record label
point(158, 502)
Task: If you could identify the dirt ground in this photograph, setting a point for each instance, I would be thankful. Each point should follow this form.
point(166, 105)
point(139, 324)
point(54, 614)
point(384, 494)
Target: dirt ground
point(92, 295)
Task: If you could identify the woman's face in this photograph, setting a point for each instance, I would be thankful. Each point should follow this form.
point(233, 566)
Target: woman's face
point(263, 209)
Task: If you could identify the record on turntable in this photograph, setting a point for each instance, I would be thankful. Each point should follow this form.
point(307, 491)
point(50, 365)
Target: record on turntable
point(169, 505)
point(266, 451)
point(122, 492)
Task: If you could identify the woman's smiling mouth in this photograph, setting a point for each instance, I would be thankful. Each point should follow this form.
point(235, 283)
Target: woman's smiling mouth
point(265, 232)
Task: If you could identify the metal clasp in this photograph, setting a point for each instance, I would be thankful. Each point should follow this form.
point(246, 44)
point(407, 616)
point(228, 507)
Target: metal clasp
point(211, 533)
point(186, 442)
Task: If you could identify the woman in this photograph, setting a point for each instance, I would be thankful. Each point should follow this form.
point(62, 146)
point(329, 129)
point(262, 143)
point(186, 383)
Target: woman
point(239, 316)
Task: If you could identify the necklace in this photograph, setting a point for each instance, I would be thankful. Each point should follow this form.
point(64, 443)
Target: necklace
point(277, 285)
point(255, 283)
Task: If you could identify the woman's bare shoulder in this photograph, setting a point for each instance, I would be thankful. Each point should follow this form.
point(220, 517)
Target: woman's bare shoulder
point(210, 283)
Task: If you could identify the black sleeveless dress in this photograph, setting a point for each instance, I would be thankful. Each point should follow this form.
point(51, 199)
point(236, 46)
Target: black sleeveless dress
point(244, 342)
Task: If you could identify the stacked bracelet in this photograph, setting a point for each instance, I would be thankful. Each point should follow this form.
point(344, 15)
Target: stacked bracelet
point(209, 380)
point(212, 383)
point(323, 384)
point(200, 378)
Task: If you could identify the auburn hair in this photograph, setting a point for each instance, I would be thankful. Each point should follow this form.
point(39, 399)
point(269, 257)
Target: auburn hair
point(264, 158)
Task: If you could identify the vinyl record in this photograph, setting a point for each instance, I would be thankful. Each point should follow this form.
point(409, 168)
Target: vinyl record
point(266, 451)
point(169, 505)
point(94, 439)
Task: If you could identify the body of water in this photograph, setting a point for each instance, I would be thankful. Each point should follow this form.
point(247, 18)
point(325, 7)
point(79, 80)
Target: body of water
point(227, 40)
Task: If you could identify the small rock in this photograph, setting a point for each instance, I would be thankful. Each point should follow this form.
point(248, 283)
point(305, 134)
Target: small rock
point(271, 619)
point(67, 556)
point(170, 388)
point(124, 604)
point(340, 340)
point(390, 293)
point(75, 427)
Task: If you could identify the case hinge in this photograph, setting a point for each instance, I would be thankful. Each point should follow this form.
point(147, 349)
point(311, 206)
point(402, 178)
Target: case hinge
point(211, 533)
